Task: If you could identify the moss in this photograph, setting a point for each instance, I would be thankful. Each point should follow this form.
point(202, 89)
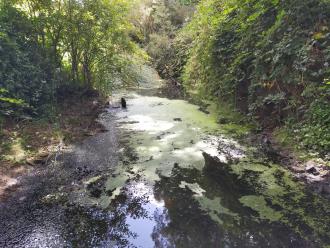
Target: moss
point(236, 130)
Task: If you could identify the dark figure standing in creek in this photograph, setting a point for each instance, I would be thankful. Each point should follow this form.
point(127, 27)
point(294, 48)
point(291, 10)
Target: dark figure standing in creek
point(123, 102)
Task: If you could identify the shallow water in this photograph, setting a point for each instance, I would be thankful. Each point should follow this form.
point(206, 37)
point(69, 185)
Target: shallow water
point(161, 177)
point(189, 204)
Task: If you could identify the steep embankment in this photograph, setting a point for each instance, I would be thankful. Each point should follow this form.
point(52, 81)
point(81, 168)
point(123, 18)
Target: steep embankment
point(268, 59)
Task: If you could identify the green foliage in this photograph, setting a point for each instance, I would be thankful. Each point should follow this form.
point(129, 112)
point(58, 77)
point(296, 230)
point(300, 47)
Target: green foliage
point(23, 67)
point(47, 44)
point(160, 28)
point(268, 58)
point(315, 130)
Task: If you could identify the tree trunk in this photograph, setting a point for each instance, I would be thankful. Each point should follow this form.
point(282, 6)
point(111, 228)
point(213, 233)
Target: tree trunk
point(87, 72)
point(74, 62)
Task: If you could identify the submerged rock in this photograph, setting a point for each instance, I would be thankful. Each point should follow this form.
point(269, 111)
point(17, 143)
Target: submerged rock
point(204, 110)
point(311, 168)
point(223, 120)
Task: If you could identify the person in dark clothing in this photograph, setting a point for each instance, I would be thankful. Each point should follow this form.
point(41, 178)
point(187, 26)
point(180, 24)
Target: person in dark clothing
point(123, 102)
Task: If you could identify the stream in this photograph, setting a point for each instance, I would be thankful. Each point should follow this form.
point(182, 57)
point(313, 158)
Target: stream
point(162, 175)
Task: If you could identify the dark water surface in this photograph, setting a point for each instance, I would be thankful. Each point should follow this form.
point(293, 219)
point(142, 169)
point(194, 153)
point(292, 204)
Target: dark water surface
point(159, 178)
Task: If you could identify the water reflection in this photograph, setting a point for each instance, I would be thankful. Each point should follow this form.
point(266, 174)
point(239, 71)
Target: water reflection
point(192, 219)
point(205, 202)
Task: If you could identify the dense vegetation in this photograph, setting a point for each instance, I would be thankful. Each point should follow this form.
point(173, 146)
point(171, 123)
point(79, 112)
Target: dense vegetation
point(269, 59)
point(46, 46)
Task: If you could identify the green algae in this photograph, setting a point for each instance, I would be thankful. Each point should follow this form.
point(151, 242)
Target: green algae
point(92, 180)
point(178, 143)
point(292, 200)
point(214, 208)
point(194, 187)
point(167, 133)
point(259, 204)
point(244, 166)
point(235, 124)
point(159, 141)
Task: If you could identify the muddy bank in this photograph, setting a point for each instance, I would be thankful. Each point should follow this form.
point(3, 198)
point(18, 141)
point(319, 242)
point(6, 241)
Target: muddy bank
point(29, 144)
point(313, 172)
point(44, 212)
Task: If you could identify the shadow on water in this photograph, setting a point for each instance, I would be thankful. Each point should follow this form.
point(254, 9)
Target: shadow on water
point(211, 221)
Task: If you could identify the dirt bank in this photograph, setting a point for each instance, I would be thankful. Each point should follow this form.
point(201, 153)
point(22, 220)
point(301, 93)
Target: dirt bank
point(313, 171)
point(31, 143)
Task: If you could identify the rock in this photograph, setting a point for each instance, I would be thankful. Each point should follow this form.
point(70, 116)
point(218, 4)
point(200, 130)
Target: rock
point(223, 120)
point(123, 102)
point(30, 162)
point(311, 168)
point(36, 161)
point(89, 134)
point(204, 110)
point(298, 169)
point(325, 174)
point(313, 178)
point(22, 198)
point(95, 192)
point(44, 155)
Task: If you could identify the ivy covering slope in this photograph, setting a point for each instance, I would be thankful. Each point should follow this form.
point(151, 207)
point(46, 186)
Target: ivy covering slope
point(268, 58)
